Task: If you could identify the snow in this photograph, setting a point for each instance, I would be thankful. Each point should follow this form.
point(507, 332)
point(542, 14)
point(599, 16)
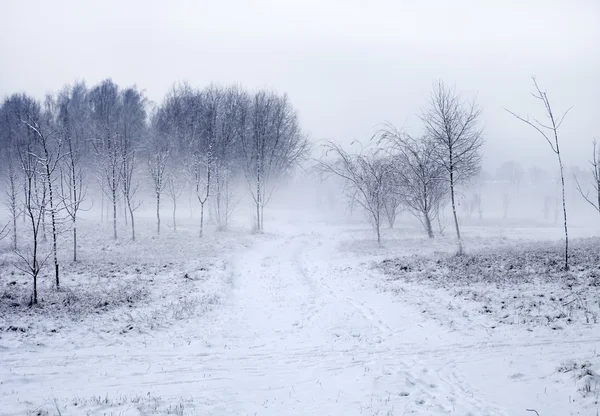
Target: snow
point(305, 319)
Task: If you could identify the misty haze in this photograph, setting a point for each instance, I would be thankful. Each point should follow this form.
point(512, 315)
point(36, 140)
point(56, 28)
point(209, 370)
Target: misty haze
point(299, 208)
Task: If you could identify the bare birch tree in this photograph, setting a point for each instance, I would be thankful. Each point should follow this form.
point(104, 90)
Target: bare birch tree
point(366, 173)
point(9, 131)
point(175, 187)
point(105, 108)
point(49, 157)
point(595, 170)
point(28, 150)
point(158, 156)
point(453, 125)
point(419, 175)
point(550, 133)
point(273, 145)
point(73, 124)
point(131, 130)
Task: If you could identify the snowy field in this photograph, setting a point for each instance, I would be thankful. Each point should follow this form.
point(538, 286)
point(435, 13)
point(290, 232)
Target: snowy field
point(309, 318)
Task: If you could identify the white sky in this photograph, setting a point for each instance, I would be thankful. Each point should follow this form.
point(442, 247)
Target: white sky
point(348, 65)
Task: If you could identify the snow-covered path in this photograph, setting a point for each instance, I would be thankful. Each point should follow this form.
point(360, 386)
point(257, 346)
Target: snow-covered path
point(304, 332)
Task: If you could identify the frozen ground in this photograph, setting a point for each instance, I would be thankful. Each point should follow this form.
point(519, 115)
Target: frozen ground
point(307, 319)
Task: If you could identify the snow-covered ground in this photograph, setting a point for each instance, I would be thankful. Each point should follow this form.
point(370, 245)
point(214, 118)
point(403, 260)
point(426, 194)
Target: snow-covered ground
point(310, 318)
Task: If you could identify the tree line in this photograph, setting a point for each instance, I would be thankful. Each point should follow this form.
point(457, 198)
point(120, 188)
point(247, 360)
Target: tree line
point(197, 141)
point(421, 173)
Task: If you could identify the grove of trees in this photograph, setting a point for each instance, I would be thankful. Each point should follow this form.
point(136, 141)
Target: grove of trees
point(202, 144)
point(199, 142)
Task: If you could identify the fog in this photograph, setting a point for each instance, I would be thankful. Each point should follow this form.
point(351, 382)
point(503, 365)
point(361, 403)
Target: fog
point(348, 66)
point(299, 207)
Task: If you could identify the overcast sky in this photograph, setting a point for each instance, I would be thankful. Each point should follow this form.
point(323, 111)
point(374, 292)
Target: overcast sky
point(347, 65)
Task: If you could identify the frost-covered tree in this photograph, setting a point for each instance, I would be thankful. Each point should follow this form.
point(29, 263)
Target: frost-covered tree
point(549, 131)
point(105, 109)
point(453, 125)
point(595, 180)
point(419, 175)
point(29, 151)
point(366, 174)
point(131, 132)
point(272, 144)
point(48, 156)
point(74, 128)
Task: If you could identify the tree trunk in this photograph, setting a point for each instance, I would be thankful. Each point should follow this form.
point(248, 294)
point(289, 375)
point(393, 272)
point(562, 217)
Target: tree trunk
point(35, 264)
point(74, 239)
point(132, 225)
point(174, 220)
point(125, 202)
point(428, 226)
point(460, 246)
point(35, 296)
point(158, 213)
point(201, 218)
point(54, 231)
point(14, 227)
point(564, 204)
point(44, 236)
point(13, 208)
point(114, 198)
point(257, 217)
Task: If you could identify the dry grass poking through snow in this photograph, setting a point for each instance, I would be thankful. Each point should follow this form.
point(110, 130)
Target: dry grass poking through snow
point(519, 285)
point(117, 287)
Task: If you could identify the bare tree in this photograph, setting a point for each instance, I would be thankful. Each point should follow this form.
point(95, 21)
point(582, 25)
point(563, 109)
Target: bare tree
point(158, 156)
point(175, 186)
point(9, 132)
point(12, 199)
point(130, 187)
point(131, 130)
point(452, 124)
point(229, 128)
point(419, 175)
point(29, 149)
point(73, 125)
point(49, 157)
point(595, 168)
point(550, 134)
point(202, 170)
point(105, 109)
point(366, 173)
point(392, 200)
point(273, 145)
point(225, 200)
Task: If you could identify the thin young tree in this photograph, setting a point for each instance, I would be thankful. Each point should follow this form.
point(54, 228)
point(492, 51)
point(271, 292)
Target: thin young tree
point(158, 156)
point(272, 145)
point(12, 202)
point(73, 125)
point(131, 131)
point(204, 148)
point(202, 170)
point(9, 124)
point(28, 150)
point(226, 154)
point(105, 111)
point(49, 158)
point(365, 173)
point(392, 200)
point(550, 133)
point(595, 168)
point(418, 175)
point(453, 124)
point(175, 186)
